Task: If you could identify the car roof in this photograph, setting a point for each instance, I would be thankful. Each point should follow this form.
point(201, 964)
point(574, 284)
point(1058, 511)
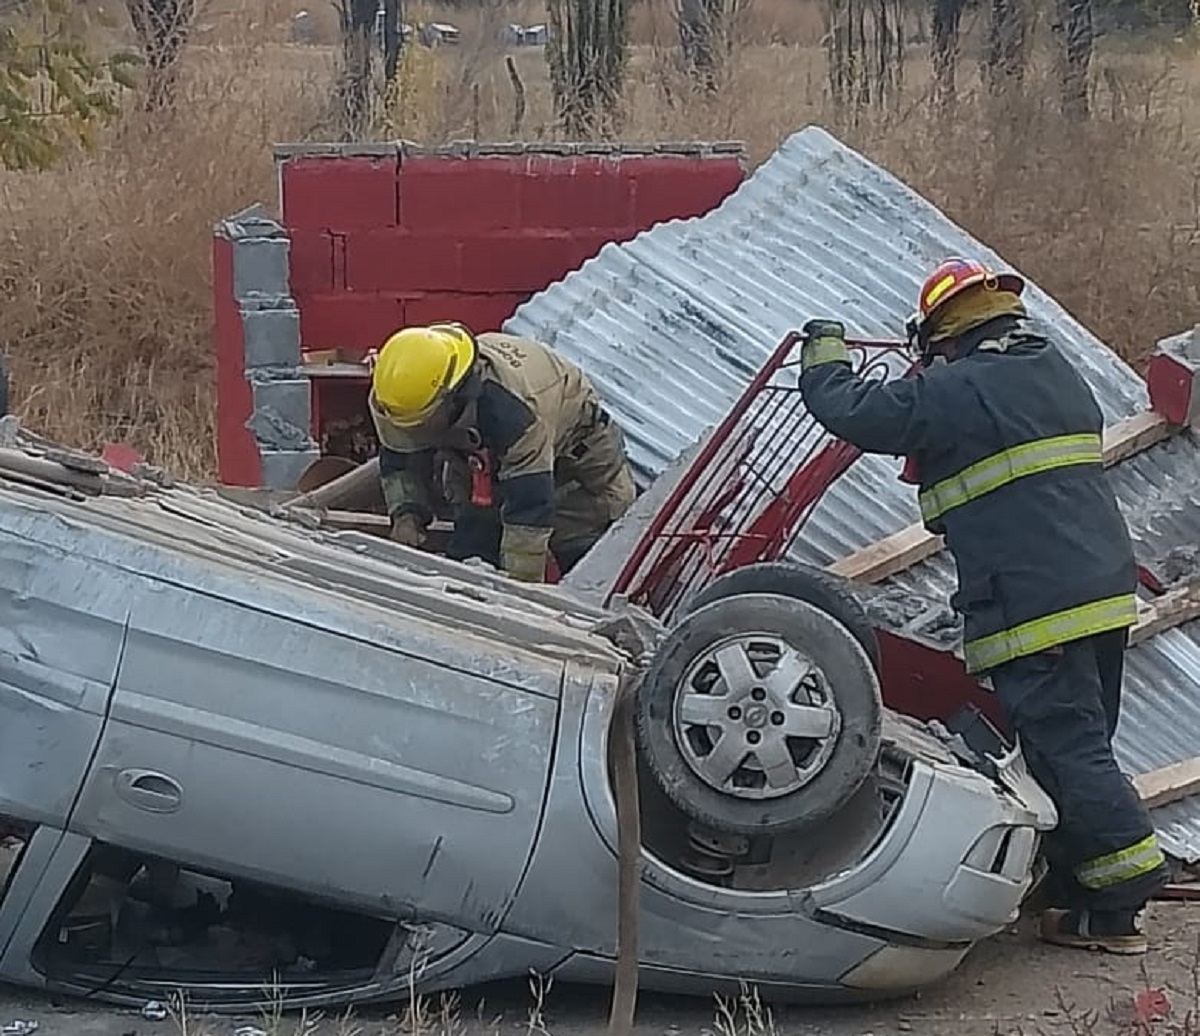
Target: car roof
point(362, 586)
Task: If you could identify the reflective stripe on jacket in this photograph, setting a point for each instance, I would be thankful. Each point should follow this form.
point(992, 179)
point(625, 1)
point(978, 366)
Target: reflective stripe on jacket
point(1006, 440)
point(1005, 466)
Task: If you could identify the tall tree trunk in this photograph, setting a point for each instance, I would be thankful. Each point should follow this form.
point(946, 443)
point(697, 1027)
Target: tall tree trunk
point(358, 35)
point(1004, 65)
point(701, 38)
point(864, 46)
point(393, 18)
point(944, 44)
point(837, 51)
point(587, 54)
point(1076, 37)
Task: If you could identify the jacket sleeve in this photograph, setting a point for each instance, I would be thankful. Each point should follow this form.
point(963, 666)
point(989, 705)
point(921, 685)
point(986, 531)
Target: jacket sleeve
point(899, 416)
point(405, 479)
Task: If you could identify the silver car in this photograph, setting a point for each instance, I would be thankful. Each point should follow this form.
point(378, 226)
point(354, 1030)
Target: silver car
point(240, 753)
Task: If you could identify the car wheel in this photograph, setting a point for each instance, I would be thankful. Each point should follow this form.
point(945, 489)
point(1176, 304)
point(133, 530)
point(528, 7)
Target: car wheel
point(803, 582)
point(760, 714)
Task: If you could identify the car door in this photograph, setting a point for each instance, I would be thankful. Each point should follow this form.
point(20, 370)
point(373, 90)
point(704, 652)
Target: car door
point(62, 630)
point(61, 637)
point(324, 745)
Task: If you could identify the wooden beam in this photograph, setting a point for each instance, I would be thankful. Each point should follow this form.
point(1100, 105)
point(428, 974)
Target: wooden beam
point(888, 556)
point(1169, 784)
point(360, 521)
point(910, 545)
point(363, 521)
point(1172, 609)
point(353, 371)
point(1135, 434)
point(335, 357)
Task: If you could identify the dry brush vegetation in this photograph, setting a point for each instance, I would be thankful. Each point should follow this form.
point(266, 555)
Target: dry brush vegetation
point(105, 266)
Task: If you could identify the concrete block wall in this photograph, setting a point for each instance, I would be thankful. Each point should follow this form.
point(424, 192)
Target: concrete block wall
point(395, 234)
point(375, 236)
point(264, 396)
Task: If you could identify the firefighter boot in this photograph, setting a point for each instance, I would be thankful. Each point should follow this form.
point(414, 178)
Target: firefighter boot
point(1113, 931)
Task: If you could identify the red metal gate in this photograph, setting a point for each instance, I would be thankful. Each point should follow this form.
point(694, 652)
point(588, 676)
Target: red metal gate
point(751, 486)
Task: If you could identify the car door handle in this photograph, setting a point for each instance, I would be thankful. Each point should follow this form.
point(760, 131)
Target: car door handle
point(149, 790)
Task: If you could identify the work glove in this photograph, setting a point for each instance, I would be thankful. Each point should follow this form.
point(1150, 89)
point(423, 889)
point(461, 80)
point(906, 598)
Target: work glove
point(822, 341)
point(524, 550)
point(408, 530)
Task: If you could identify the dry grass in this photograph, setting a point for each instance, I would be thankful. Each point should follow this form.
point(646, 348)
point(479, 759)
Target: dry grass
point(1150, 1011)
point(106, 262)
point(420, 1015)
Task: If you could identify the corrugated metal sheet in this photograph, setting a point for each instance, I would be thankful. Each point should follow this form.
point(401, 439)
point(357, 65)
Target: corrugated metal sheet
point(816, 230)
point(672, 325)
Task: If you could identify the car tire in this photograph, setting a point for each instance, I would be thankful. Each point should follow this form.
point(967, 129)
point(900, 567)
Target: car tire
point(799, 700)
point(804, 583)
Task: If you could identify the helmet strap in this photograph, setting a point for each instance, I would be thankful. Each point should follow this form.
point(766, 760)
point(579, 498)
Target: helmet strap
point(921, 345)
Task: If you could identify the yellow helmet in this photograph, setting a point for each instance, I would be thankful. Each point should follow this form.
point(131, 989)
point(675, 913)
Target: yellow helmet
point(416, 368)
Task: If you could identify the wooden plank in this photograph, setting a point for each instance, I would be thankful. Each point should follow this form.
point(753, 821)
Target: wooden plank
point(333, 357)
point(318, 357)
point(1172, 609)
point(1135, 434)
point(905, 548)
point(362, 479)
point(1179, 890)
point(359, 520)
point(888, 556)
point(1169, 784)
point(352, 371)
point(363, 521)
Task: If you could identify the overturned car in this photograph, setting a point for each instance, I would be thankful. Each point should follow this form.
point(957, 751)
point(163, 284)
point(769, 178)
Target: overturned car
point(240, 753)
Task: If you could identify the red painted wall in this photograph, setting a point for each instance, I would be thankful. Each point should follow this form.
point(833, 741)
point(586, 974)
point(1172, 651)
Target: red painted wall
point(381, 242)
point(382, 237)
point(1173, 384)
point(402, 235)
point(237, 453)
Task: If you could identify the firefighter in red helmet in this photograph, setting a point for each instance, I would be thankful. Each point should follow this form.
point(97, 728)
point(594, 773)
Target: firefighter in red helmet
point(1003, 437)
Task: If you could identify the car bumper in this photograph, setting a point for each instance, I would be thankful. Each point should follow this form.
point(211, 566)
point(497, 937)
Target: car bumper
point(952, 869)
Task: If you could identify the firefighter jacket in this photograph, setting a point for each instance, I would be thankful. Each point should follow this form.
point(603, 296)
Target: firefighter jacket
point(1006, 440)
point(531, 411)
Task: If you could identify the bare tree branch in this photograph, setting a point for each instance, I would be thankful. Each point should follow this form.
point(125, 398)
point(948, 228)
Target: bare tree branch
point(162, 28)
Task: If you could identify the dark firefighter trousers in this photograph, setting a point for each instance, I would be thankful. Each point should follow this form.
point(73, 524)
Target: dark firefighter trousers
point(1064, 705)
point(477, 531)
point(581, 515)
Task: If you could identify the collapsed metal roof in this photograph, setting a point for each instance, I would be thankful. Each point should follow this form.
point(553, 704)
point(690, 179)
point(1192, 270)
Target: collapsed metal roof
point(672, 325)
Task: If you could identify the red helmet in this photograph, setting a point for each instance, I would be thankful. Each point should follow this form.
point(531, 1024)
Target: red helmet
point(955, 275)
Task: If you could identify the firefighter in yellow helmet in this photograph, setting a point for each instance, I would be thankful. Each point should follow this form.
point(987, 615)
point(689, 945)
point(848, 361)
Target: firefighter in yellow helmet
point(510, 435)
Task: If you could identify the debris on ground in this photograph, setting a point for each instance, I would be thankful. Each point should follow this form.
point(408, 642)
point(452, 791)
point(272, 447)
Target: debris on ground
point(154, 1011)
point(1140, 1009)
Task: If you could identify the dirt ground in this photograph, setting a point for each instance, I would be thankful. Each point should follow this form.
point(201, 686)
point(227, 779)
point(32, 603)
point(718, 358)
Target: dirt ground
point(1009, 986)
